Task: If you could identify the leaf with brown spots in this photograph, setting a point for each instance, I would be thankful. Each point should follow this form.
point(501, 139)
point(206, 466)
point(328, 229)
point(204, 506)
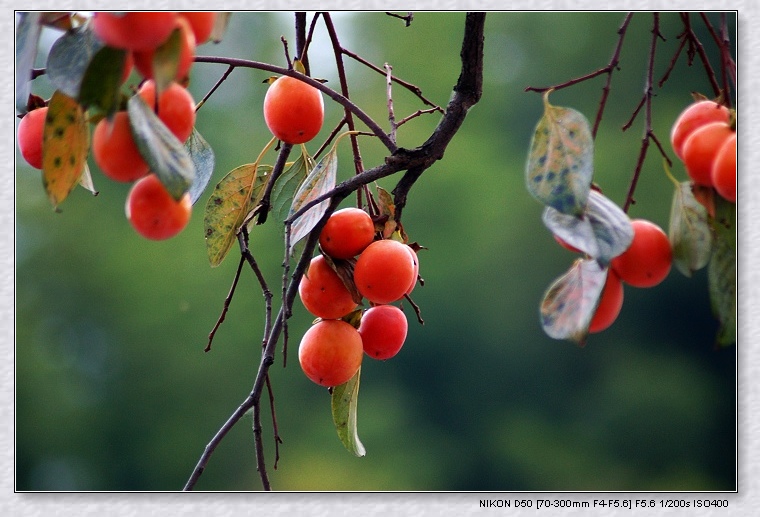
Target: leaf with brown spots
point(65, 144)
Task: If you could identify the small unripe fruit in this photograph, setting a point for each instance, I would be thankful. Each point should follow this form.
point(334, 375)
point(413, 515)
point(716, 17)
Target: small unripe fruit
point(330, 352)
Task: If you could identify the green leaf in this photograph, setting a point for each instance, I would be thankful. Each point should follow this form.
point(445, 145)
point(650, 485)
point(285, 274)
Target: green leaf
point(101, 83)
point(689, 232)
point(69, 58)
point(320, 180)
point(287, 184)
point(344, 408)
point(65, 147)
point(721, 272)
point(560, 163)
point(166, 60)
point(163, 152)
point(603, 232)
point(27, 38)
point(203, 160)
point(570, 302)
point(229, 204)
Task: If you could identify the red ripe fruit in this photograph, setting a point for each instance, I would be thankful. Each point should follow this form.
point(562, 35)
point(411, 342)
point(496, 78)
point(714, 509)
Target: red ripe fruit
point(293, 110)
point(346, 233)
point(115, 150)
point(383, 330)
point(694, 116)
point(700, 149)
point(724, 170)
point(609, 305)
point(144, 59)
point(29, 134)
point(323, 293)
point(330, 352)
point(176, 107)
point(648, 259)
point(133, 30)
point(202, 24)
point(384, 271)
point(153, 212)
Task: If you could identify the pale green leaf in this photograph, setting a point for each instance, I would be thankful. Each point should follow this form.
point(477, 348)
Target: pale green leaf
point(229, 204)
point(163, 152)
point(570, 302)
point(560, 162)
point(204, 161)
point(27, 38)
point(320, 180)
point(287, 184)
point(65, 147)
point(603, 232)
point(344, 411)
point(689, 232)
point(721, 272)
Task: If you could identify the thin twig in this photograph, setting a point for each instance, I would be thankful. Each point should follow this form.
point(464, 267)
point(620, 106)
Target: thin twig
point(226, 306)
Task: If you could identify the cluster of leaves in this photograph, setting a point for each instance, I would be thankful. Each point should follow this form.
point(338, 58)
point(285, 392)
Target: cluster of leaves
point(559, 173)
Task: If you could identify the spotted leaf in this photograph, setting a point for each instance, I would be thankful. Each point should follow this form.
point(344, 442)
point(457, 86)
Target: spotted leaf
point(65, 144)
point(560, 162)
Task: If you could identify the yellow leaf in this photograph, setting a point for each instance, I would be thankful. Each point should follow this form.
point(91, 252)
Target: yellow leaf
point(64, 148)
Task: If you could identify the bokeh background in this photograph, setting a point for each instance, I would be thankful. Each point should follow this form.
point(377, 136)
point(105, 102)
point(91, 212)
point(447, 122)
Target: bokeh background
point(115, 393)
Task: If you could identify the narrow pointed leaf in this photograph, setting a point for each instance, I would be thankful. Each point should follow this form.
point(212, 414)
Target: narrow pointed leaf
point(570, 302)
point(233, 197)
point(344, 411)
point(69, 58)
point(85, 181)
point(220, 26)
point(166, 60)
point(203, 161)
point(287, 185)
point(721, 272)
point(320, 180)
point(560, 163)
point(163, 152)
point(101, 82)
point(65, 147)
point(27, 38)
point(689, 232)
point(603, 232)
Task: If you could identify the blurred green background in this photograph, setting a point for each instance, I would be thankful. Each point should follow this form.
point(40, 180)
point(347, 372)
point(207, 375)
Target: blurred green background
point(115, 392)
